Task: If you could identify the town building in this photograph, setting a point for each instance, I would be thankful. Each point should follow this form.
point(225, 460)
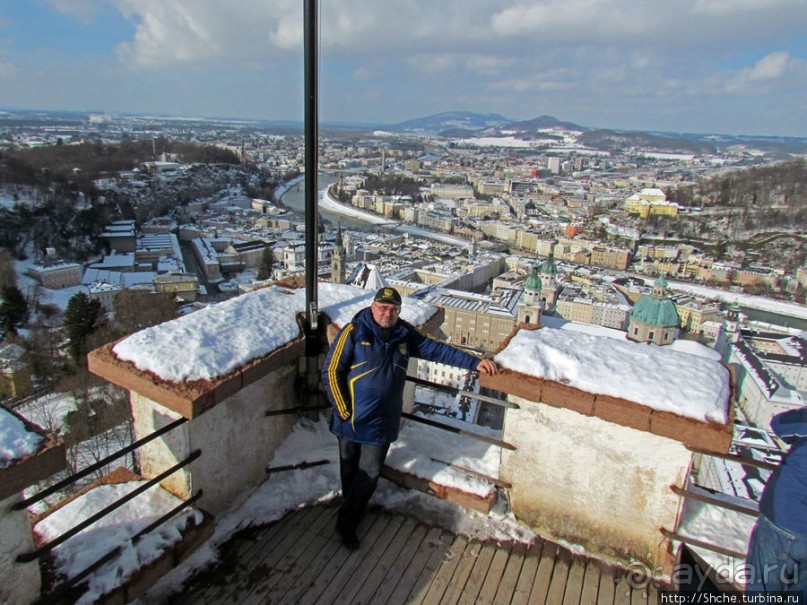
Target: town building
point(650, 202)
point(15, 373)
point(56, 274)
point(761, 393)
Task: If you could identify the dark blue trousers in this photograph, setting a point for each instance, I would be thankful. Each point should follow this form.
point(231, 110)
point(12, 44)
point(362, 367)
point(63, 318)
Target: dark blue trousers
point(777, 559)
point(359, 468)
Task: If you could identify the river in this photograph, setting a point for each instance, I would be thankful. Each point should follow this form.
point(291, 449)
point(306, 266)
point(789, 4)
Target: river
point(294, 199)
point(774, 318)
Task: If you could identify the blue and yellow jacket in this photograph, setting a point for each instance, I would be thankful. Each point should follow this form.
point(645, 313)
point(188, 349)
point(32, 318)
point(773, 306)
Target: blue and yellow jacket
point(784, 499)
point(364, 376)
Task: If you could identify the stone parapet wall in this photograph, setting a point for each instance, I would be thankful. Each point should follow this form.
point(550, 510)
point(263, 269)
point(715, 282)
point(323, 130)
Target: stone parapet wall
point(705, 436)
point(597, 470)
point(593, 483)
point(227, 422)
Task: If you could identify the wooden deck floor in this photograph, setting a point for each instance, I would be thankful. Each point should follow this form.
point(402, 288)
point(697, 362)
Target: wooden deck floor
point(300, 560)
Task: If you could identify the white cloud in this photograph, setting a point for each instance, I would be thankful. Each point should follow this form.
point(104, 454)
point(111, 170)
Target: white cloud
point(554, 80)
point(511, 56)
point(494, 33)
point(79, 9)
point(7, 70)
point(772, 68)
point(488, 65)
point(369, 71)
point(433, 64)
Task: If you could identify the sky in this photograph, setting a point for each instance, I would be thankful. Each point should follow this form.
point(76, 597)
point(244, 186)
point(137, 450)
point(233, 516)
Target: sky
point(722, 66)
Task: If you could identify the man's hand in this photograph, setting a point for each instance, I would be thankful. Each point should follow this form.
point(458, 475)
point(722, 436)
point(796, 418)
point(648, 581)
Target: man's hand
point(488, 366)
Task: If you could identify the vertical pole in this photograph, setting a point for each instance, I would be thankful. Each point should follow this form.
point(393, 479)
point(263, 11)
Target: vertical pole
point(311, 169)
point(311, 379)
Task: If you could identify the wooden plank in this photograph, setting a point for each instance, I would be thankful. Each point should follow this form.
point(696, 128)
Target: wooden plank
point(493, 579)
point(342, 557)
point(322, 567)
point(526, 577)
point(416, 580)
point(560, 575)
point(591, 584)
point(387, 562)
point(653, 592)
point(462, 573)
point(605, 596)
point(252, 556)
point(638, 596)
point(353, 561)
point(309, 549)
point(622, 590)
point(543, 576)
point(293, 563)
point(232, 564)
point(377, 554)
point(479, 572)
point(398, 572)
point(506, 589)
point(574, 584)
point(268, 557)
point(443, 573)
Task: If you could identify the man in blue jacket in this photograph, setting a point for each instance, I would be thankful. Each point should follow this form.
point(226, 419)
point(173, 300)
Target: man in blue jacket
point(777, 551)
point(364, 375)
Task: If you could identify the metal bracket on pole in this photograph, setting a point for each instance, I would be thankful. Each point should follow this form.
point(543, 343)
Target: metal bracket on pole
point(313, 316)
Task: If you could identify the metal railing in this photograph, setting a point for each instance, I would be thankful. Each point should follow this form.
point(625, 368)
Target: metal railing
point(700, 493)
point(96, 466)
point(70, 584)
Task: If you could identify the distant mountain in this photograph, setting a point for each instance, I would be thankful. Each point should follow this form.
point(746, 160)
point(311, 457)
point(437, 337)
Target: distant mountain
point(451, 121)
point(610, 140)
point(542, 123)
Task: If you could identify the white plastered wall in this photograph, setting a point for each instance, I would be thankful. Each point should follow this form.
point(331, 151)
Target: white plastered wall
point(19, 582)
point(236, 438)
point(590, 482)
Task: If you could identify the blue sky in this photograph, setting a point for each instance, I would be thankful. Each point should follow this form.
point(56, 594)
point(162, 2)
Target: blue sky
point(725, 66)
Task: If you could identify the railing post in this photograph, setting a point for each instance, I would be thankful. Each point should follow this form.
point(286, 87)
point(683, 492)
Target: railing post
point(409, 386)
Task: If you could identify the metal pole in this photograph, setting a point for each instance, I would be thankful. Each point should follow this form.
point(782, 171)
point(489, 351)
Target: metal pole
point(311, 169)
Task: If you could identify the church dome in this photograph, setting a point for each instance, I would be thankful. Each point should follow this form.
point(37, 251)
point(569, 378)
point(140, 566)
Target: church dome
point(655, 311)
point(549, 267)
point(534, 280)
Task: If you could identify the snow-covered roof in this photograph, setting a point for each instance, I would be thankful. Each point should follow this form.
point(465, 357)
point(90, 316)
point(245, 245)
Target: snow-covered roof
point(662, 379)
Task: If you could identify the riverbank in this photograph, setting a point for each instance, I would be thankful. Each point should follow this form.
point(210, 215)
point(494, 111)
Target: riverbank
point(335, 206)
point(759, 303)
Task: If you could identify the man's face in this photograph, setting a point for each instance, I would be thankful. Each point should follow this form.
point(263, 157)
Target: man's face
point(385, 314)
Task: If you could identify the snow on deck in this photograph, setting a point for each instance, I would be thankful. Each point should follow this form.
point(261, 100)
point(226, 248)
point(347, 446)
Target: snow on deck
point(113, 530)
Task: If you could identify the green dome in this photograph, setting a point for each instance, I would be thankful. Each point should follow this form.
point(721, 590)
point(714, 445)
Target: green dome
point(549, 267)
point(534, 280)
point(655, 311)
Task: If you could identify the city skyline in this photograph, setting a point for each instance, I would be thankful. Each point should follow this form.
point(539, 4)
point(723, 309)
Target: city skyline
point(707, 66)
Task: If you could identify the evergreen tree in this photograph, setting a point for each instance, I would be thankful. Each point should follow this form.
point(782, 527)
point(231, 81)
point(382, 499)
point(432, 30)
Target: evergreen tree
point(267, 264)
point(13, 309)
point(136, 310)
point(8, 277)
point(81, 318)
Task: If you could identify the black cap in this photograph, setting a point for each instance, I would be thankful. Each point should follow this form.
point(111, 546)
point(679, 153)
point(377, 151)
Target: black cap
point(388, 295)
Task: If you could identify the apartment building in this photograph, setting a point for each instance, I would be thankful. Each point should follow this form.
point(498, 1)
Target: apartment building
point(55, 275)
point(610, 257)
